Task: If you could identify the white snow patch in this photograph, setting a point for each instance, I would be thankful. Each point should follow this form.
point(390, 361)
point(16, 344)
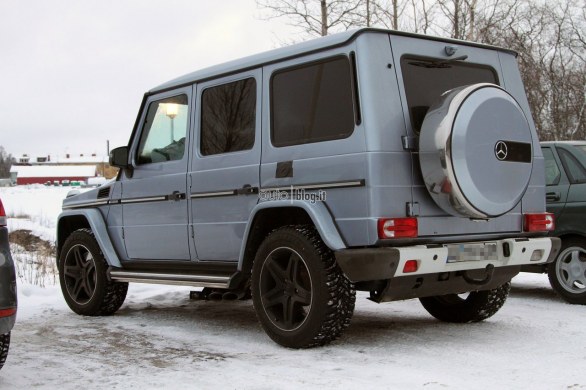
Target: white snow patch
point(33, 207)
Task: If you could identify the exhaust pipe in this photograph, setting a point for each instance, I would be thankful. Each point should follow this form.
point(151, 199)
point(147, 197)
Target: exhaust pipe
point(215, 296)
point(232, 295)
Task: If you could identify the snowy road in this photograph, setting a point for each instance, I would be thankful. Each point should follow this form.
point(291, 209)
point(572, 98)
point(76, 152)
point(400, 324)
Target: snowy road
point(160, 338)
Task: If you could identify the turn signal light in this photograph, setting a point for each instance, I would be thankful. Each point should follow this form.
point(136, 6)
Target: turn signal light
point(542, 222)
point(397, 227)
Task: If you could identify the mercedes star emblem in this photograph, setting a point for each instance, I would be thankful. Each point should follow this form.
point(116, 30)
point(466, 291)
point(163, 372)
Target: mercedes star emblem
point(500, 150)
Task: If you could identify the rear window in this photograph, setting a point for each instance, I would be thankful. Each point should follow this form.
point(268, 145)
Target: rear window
point(426, 80)
point(312, 103)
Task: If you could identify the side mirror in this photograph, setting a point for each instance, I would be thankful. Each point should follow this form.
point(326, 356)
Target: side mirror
point(119, 157)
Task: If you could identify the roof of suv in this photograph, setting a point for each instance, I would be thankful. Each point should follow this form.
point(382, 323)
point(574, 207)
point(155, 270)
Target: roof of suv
point(544, 143)
point(292, 51)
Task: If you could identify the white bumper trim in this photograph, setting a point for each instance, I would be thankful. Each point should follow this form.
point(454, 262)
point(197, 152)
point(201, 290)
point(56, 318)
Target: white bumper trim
point(435, 260)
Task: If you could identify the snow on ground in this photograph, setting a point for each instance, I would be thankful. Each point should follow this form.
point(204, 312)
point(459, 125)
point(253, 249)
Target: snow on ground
point(34, 207)
point(161, 338)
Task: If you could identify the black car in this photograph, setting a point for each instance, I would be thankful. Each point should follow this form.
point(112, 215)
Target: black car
point(7, 289)
point(565, 177)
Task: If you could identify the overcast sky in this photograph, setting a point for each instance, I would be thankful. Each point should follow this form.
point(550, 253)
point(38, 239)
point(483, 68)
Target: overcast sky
point(73, 73)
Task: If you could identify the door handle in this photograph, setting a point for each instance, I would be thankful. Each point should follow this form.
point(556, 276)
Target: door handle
point(552, 196)
point(247, 189)
point(176, 196)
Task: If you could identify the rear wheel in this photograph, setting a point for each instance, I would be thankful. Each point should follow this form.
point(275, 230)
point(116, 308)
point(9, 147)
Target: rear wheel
point(472, 307)
point(4, 344)
point(83, 277)
point(567, 274)
point(301, 297)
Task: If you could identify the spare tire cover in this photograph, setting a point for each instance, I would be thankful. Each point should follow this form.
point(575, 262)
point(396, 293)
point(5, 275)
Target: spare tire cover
point(475, 151)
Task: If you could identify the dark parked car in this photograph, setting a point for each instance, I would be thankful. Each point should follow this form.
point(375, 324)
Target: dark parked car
point(7, 289)
point(565, 176)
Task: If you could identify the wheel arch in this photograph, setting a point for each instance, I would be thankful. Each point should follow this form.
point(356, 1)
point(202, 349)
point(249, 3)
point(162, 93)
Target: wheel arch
point(571, 236)
point(72, 220)
point(270, 215)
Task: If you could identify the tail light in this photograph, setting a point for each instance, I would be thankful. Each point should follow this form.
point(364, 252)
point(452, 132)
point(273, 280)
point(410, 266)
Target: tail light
point(542, 222)
point(397, 228)
point(2, 215)
point(7, 312)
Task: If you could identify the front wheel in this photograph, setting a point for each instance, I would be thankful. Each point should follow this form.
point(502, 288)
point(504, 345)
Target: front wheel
point(567, 274)
point(4, 345)
point(459, 308)
point(83, 277)
point(301, 297)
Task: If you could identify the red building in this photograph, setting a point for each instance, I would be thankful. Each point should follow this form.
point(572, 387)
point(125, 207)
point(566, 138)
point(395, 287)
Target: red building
point(40, 174)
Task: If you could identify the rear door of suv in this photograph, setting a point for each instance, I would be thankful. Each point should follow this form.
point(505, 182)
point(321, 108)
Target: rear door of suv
point(224, 170)
point(425, 71)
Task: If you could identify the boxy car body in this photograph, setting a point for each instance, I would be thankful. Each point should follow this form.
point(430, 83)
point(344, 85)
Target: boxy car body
point(378, 149)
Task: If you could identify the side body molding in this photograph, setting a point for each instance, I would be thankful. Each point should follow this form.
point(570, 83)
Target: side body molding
point(98, 226)
point(319, 214)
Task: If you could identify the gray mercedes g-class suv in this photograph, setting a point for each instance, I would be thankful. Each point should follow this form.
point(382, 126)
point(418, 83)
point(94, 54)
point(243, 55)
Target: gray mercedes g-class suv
point(402, 165)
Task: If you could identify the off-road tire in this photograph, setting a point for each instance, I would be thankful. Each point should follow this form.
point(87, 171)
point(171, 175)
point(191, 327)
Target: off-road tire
point(100, 296)
point(477, 306)
point(332, 295)
point(4, 345)
point(572, 254)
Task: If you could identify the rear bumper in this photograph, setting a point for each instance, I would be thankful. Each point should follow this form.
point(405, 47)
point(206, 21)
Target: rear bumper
point(386, 263)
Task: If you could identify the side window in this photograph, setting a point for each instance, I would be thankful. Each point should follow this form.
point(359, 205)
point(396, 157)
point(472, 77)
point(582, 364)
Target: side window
point(228, 117)
point(312, 103)
point(164, 129)
point(552, 171)
point(574, 168)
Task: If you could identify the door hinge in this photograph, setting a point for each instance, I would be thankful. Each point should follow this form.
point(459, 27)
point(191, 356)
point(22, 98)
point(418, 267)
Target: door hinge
point(192, 232)
point(410, 143)
point(122, 233)
point(412, 209)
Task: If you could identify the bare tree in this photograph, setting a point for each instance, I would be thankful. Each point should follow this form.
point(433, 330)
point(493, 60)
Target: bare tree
point(461, 16)
point(549, 37)
point(5, 163)
point(422, 11)
point(316, 17)
point(387, 13)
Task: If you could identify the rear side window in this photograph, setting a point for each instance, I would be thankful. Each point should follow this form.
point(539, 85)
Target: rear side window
point(312, 103)
point(552, 171)
point(574, 168)
point(164, 129)
point(228, 117)
point(426, 80)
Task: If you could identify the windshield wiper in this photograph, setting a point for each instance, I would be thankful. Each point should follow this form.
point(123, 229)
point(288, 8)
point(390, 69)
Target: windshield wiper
point(438, 64)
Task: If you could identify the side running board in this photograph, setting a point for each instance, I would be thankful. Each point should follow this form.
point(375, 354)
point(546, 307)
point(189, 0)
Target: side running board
point(202, 280)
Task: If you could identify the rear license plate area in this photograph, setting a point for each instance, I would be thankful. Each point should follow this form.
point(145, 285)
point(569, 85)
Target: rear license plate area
point(472, 252)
